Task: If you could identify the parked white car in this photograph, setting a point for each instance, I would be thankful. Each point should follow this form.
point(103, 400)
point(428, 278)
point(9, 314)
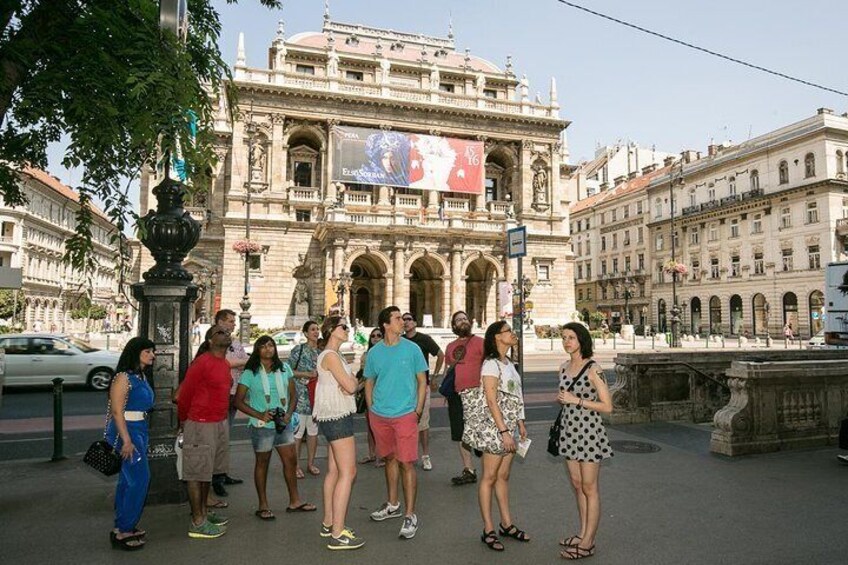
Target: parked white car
point(37, 359)
point(817, 341)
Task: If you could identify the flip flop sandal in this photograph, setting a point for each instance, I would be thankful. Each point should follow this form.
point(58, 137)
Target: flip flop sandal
point(219, 504)
point(514, 532)
point(368, 459)
point(302, 508)
point(313, 470)
point(129, 543)
point(299, 473)
point(266, 515)
point(568, 542)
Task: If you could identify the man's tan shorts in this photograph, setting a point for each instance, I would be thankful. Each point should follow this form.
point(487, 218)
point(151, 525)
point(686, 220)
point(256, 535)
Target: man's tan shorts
point(424, 422)
point(206, 450)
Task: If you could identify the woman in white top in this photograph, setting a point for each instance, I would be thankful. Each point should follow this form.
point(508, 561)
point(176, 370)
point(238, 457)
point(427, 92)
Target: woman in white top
point(502, 387)
point(333, 410)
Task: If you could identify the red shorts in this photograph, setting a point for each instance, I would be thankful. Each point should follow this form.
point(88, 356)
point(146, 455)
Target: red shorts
point(396, 437)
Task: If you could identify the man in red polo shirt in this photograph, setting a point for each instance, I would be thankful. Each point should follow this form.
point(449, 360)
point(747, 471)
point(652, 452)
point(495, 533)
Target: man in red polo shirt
point(203, 405)
point(465, 355)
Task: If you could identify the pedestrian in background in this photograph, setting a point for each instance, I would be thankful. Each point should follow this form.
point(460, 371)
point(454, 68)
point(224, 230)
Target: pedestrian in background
point(236, 358)
point(130, 399)
point(583, 393)
point(374, 338)
point(303, 360)
point(334, 410)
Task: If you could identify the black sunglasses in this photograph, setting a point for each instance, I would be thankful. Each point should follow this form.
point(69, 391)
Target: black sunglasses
point(343, 326)
point(407, 319)
point(380, 336)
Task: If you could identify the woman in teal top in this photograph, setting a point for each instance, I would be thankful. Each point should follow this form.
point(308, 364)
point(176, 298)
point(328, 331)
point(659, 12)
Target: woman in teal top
point(266, 393)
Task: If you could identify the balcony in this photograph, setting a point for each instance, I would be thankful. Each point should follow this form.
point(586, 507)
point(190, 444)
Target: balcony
point(498, 207)
point(726, 201)
point(357, 198)
point(408, 201)
point(304, 195)
point(842, 230)
point(456, 204)
point(420, 221)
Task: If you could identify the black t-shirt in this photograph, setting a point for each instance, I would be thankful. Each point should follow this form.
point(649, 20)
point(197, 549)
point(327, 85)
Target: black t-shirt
point(427, 345)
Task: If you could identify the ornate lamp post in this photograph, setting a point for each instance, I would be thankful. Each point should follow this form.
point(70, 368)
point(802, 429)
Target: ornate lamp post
point(625, 287)
point(675, 309)
point(768, 328)
point(244, 303)
point(341, 284)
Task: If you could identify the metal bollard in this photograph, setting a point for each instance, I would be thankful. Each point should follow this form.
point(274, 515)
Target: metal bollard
point(613, 341)
point(708, 341)
point(107, 341)
point(653, 338)
point(58, 446)
point(634, 340)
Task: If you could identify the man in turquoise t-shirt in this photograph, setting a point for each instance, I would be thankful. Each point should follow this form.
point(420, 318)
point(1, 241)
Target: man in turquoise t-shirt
point(395, 387)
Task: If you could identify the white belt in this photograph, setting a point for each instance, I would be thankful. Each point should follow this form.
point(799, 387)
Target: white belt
point(134, 416)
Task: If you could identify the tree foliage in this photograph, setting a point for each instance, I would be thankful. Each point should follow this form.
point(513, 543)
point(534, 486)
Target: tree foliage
point(102, 73)
point(85, 309)
point(7, 304)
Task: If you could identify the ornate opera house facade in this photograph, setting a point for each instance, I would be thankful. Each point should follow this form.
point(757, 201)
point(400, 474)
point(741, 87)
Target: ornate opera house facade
point(387, 166)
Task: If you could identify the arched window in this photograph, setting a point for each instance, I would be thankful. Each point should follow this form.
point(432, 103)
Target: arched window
point(809, 165)
point(816, 311)
point(759, 319)
point(840, 164)
point(755, 179)
point(736, 315)
point(783, 172)
point(790, 310)
point(731, 184)
point(695, 316)
point(715, 315)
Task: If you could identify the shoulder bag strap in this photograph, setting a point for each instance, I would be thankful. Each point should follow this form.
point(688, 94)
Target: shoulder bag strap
point(109, 411)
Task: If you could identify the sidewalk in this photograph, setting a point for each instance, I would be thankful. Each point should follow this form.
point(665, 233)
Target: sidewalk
point(679, 505)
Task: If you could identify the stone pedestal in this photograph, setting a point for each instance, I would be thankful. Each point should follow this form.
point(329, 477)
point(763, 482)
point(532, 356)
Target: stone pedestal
point(164, 317)
point(627, 332)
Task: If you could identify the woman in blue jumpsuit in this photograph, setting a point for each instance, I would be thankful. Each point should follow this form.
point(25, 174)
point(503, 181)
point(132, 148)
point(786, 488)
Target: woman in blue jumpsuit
point(131, 398)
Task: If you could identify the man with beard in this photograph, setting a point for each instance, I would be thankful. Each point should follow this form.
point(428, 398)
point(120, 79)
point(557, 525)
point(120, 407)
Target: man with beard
point(465, 355)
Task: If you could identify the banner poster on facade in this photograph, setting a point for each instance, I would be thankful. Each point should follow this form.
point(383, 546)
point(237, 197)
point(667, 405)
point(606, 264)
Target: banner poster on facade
point(391, 158)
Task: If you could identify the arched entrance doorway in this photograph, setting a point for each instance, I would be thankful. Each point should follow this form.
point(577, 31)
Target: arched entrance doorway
point(790, 312)
point(816, 310)
point(367, 289)
point(715, 315)
point(480, 300)
point(695, 315)
point(758, 304)
point(426, 287)
point(735, 315)
point(662, 322)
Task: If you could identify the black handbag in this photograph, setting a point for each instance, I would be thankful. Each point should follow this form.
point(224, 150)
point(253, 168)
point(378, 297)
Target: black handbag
point(843, 434)
point(101, 455)
point(448, 386)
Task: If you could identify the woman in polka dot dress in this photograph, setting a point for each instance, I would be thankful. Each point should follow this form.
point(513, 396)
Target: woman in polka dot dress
point(584, 443)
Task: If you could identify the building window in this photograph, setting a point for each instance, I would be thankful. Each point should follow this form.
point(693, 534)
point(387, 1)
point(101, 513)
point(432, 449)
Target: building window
point(588, 247)
point(812, 213)
point(692, 198)
point(787, 259)
point(845, 207)
point(640, 238)
point(492, 192)
point(711, 193)
point(603, 293)
point(603, 267)
point(785, 217)
point(603, 243)
point(489, 93)
point(696, 270)
point(809, 165)
point(734, 266)
point(580, 295)
point(589, 271)
point(626, 237)
point(840, 164)
point(660, 242)
point(579, 272)
point(603, 218)
point(758, 263)
point(588, 294)
point(303, 215)
point(354, 75)
point(446, 87)
point(639, 207)
point(814, 256)
point(675, 239)
point(640, 261)
point(579, 248)
point(615, 266)
point(587, 223)
point(755, 179)
point(734, 227)
point(579, 223)
point(731, 183)
point(757, 223)
point(543, 272)
point(614, 214)
point(627, 264)
point(254, 262)
point(304, 69)
point(660, 273)
point(713, 234)
point(615, 241)
point(714, 268)
point(626, 211)
point(658, 209)
point(302, 173)
point(783, 172)
point(694, 236)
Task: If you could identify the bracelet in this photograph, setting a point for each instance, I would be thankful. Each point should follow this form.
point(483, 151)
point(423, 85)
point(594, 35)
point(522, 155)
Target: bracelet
point(580, 404)
point(503, 431)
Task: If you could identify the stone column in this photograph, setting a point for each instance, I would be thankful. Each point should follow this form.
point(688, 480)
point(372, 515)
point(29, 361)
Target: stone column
point(338, 256)
point(278, 155)
point(400, 300)
point(446, 301)
point(456, 279)
point(388, 294)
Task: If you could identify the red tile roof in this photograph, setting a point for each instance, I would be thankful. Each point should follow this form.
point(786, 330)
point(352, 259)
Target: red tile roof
point(62, 189)
point(623, 189)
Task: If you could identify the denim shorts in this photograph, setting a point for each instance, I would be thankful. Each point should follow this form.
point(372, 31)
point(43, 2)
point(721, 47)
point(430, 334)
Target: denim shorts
point(337, 429)
point(265, 439)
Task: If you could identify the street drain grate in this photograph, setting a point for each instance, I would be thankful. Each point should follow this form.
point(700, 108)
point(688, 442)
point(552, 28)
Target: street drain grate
point(634, 446)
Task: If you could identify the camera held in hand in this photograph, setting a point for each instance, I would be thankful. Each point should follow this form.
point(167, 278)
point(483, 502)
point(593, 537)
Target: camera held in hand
point(279, 424)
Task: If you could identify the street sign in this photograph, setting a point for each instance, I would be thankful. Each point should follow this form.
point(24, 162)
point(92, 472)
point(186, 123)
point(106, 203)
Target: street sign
point(10, 278)
point(516, 242)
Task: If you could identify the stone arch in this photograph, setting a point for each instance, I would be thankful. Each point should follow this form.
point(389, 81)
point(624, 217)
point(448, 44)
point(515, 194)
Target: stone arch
point(430, 255)
point(759, 313)
point(296, 131)
point(501, 173)
point(368, 288)
point(816, 308)
point(473, 256)
point(481, 273)
point(427, 272)
point(357, 252)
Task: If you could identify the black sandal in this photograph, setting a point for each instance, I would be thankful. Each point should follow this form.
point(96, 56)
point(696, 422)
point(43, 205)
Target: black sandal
point(577, 552)
point(573, 540)
point(491, 540)
point(128, 543)
point(513, 532)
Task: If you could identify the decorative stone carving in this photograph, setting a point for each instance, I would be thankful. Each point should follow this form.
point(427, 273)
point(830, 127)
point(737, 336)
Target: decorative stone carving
point(540, 187)
point(301, 299)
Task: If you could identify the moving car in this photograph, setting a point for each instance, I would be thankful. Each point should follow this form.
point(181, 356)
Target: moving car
point(817, 341)
point(37, 359)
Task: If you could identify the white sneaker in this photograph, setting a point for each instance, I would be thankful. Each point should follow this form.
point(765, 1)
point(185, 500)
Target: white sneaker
point(385, 512)
point(410, 527)
point(426, 464)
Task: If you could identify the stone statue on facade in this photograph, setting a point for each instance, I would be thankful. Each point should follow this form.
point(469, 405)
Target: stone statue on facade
point(434, 77)
point(257, 169)
point(385, 68)
point(333, 63)
point(480, 83)
point(540, 187)
point(301, 300)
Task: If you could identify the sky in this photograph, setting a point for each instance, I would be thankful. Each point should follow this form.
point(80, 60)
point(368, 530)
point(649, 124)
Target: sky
point(614, 83)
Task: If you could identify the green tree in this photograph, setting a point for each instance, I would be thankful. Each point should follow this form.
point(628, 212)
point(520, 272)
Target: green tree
point(597, 317)
point(101, 73)
point(7, 304)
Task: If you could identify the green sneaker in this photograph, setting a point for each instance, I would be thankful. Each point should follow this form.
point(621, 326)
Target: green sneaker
point(327, 531)
point(206, 530)
point(217, 519)
point(346, 540)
